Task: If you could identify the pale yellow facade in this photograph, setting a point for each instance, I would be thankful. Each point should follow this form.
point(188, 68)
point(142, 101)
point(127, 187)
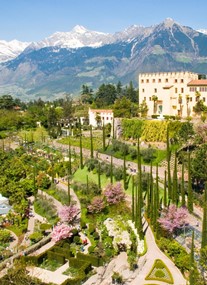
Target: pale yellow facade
point(174, 92)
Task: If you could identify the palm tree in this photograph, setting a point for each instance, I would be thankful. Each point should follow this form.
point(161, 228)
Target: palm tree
point(154, 99)
point(187, 102)
point(180, 101)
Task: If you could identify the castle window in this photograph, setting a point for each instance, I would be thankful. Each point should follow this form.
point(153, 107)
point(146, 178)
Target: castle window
point(142, 81)
point(155, 90)
point(153, 80)
point(181, 80)
point(176, 90)
point(143, 90)
point(182, 90)
point(147, 81)
point(150, 99)
point(159, 80)
point(176, 81)
point(166, 80)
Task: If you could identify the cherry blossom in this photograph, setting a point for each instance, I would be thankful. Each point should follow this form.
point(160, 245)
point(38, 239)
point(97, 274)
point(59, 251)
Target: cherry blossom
point(174, 218)
point(114, 193)
point(61, 231)
point(97, 205)
point(67, 214)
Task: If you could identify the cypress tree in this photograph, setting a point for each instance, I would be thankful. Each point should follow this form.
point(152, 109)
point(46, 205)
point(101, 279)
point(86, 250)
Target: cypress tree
point(151, 194)
point(69, 158)
point(140, 197)
point(81, 150)
point(168, 164)
point(132, 198)
point(111, 170)
point(91, 140)
point(99, 175)
point(175, 183)
point(125, 174)
point(204, 224)
point(165, 190)
point(190, 190)
point(192, 263)
point(69, 188)
point(104, 137)
point(136, 206)
point(183, 187)
point(148, 195)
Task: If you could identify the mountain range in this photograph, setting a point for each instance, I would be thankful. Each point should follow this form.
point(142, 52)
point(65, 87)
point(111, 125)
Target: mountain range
point(64, 61)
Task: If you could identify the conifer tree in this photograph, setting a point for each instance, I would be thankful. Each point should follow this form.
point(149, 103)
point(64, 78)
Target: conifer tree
point(132, 198)
point(99, 175)
point(151, 194)
point(168, 164)
point(204, 225)
point(148, 196)
point(192, 263)
point(111, 170)
point(140, 197)
point(165, 190)
point(69, 171)
point(91, 140)
point(125, 174)
point(81, 150)
point(175, 183)
point(104, 137)
point(183, 187)
point(190, 190)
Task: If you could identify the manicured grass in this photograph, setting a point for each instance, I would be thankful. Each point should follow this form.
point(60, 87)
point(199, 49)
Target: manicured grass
point(81, 174)
point(86, 142)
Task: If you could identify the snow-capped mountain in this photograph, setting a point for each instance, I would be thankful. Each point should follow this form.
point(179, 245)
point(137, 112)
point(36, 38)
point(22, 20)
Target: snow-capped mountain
point(78, 37)
point(11, 49)
point(65, 61)
point(203, 31)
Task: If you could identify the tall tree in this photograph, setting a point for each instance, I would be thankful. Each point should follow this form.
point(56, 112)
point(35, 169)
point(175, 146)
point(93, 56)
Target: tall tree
point(190, 190)
point(192, 263)
point(81, 148)
point(204, 225)
point(91, 140)
point(168, 165)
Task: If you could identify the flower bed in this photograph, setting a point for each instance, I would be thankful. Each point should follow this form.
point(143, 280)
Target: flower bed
point(160, 272)
point(118, 230)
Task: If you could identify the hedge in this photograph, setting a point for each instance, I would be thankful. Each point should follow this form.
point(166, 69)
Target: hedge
point(56, 256)
point(94, 260)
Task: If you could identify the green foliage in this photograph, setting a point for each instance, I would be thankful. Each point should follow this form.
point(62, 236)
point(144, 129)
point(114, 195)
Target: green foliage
point(45, 208)
point(176, 252)
point(35, 237)
point(148, 154)
point(5, 236)
point(132, 128)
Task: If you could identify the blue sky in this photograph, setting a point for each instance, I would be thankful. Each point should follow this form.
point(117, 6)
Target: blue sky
point(33, 20)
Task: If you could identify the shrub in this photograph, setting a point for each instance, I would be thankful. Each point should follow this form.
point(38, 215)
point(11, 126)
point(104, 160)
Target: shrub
point(35, 237)
point(91, 249)
point(96, 236)
point(159, 274)
point(5, 236)
point(91, 229)
point(77, 240)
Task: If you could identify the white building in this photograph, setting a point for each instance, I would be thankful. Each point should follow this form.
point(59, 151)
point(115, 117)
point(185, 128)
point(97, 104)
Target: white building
point(98, 117)
point(171, 93)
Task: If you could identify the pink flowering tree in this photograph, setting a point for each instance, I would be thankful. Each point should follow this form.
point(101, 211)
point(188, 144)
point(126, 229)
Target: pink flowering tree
point(61, 231)
point(68, 214)
point(97, 205)
point(174, 218)
point(114, 193)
